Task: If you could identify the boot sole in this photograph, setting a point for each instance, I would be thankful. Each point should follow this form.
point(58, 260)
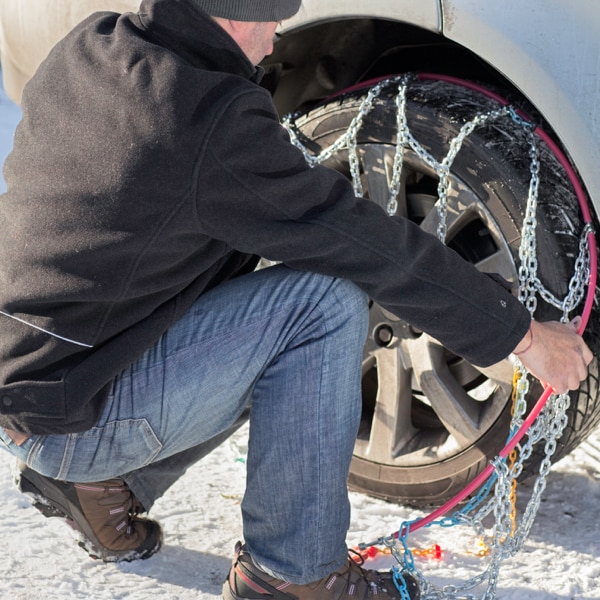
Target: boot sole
point(52, 503)
point(265, 590)
point(227, 593)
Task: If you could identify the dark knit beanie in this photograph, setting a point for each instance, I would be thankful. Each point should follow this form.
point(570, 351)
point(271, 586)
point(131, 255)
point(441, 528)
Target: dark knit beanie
point(250, 10)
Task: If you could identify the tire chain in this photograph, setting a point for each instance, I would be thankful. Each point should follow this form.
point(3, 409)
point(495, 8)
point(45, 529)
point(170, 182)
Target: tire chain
point(505, 540)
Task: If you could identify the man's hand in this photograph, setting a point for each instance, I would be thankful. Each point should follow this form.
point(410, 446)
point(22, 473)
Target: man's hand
point(555, 354)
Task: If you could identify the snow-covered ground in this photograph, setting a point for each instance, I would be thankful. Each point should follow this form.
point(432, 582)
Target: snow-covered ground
point(200, 515)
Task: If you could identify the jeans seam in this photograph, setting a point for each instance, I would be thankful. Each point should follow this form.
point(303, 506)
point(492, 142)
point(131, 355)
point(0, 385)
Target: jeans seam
point(65, 463)
point(151, 434)
point(33, 451)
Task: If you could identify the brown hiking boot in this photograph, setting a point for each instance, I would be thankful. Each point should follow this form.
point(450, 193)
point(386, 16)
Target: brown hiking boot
point(351, 582)
point(103, 513)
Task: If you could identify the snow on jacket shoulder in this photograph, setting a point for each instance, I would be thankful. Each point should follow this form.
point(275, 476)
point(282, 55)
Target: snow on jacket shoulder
point(149, 167)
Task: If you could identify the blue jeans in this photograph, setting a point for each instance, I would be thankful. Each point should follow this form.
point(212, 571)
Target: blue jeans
point(286, 344)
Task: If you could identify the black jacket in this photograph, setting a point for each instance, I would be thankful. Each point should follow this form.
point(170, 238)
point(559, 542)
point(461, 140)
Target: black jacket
point(149, 166)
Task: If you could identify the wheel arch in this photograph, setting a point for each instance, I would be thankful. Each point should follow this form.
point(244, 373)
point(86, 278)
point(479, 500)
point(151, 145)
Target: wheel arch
point(325, 50)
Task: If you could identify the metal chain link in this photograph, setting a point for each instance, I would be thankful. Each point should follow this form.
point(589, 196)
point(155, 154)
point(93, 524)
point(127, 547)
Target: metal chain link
point(528, 248)
point(504, 538)
point(444, 167)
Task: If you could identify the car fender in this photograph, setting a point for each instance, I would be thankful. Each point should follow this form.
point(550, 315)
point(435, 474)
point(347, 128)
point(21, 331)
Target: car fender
point(550, 50)
point(423, 13)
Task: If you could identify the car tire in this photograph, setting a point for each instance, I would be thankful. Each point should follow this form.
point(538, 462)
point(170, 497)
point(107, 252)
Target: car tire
point(420, 442)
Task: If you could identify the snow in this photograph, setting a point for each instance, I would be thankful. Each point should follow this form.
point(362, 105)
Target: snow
point(201, 519)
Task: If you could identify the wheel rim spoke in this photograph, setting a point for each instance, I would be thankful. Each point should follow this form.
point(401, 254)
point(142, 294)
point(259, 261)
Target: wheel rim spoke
point(497, 263)
point(391, 427)
point(378, 165)
point(455, 409)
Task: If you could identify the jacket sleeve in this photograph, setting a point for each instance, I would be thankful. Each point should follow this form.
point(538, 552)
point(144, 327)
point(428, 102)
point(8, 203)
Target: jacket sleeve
point(257, 193)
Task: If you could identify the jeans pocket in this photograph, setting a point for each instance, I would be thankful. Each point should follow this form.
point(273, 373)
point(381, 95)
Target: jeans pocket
point(100, 453)
point(21, 451)
point(5, 441)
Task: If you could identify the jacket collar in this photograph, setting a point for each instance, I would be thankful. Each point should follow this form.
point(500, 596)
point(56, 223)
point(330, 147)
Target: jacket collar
point(187, 30)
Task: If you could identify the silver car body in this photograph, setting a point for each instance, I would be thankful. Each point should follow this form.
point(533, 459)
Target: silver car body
point(424, 13)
